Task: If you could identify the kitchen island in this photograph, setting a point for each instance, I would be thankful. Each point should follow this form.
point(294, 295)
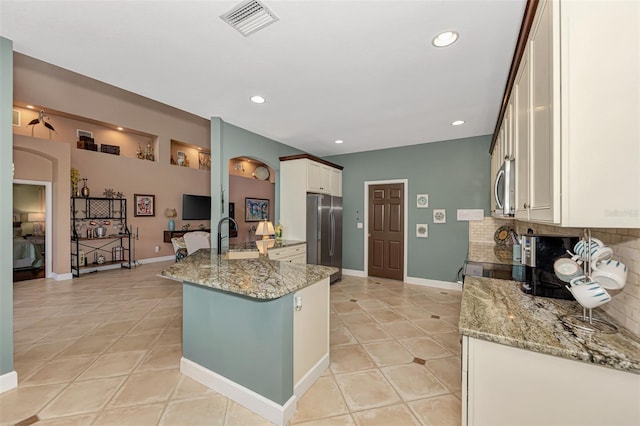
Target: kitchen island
point(523, 365)
point(254, 330)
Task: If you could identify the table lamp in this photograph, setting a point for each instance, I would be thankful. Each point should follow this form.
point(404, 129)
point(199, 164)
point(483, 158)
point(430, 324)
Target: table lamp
point(38, 223)
point(265, 228)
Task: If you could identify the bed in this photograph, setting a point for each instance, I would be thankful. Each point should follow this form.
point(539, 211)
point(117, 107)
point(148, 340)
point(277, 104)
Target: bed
point(26, 254)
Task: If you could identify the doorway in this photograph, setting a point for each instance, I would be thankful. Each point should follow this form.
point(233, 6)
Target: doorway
point(32, 208)
point(386, 229)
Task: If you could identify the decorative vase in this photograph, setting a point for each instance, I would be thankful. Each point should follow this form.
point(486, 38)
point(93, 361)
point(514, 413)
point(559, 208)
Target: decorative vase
point(85, 188)
point(172, 224)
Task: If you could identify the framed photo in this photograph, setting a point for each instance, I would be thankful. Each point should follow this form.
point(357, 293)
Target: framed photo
point(85, 133)
point(439, 216)
point(144, 205)
point(422, 230)
point(256, 209)
point(422, 201)
point(182, 158)
point(204, 161)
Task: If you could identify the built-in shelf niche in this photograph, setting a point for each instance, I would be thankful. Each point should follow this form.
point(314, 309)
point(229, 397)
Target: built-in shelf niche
point(188, 155)
point(68, 126)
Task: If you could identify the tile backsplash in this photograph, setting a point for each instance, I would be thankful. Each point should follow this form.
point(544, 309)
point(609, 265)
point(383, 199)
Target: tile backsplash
point(625, 303)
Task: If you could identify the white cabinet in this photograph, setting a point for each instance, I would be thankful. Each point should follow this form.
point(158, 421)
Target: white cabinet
point(504, 385)
point(310, 335)
point(576, 133)
point(522, 128)
point(294, 254)
point(323, 179)
point(298, 175)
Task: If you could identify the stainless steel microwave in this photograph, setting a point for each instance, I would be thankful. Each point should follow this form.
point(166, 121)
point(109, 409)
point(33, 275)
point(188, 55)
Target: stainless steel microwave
point(504, 189)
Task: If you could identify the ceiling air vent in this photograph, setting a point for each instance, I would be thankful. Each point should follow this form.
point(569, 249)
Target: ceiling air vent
point(249, 17)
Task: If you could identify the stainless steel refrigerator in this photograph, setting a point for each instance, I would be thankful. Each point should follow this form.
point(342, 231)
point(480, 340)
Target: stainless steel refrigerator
point(324, 232)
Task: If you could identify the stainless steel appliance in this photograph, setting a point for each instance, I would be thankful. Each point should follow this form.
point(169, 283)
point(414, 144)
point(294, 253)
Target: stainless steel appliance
point(538, 254)
point(504, 189)
point(324, 232)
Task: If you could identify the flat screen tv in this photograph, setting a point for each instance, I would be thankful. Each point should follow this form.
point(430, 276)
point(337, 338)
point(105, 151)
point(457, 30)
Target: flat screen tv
point(196, 207)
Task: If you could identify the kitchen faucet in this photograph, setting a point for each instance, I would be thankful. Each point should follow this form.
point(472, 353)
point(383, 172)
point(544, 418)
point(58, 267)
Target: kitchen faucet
point(235, 227)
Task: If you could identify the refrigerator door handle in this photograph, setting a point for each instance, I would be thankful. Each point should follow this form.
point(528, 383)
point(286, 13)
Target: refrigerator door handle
point(333, 232)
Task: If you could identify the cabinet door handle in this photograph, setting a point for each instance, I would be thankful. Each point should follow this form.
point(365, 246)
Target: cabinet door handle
point(526, 205)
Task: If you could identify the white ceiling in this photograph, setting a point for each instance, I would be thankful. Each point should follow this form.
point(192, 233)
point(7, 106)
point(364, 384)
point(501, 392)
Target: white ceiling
point(361, 71)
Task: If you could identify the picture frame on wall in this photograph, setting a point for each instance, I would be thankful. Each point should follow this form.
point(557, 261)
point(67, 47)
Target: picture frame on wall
point(144, 205)
point(84, 134)
point(256, 209)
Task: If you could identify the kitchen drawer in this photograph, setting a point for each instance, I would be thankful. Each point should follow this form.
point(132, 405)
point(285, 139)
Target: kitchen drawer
point(286, 252)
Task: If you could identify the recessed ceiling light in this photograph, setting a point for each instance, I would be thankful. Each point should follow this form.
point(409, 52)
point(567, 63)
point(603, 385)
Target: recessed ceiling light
point(457, 123)
point(258, 99)
point(30, 106)
point(444, 39)
point(120, 128)
point(339, 141)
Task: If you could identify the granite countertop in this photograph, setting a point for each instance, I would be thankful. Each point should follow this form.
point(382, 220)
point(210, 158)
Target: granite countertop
point(491, 253)
point(251, 245)
point(498, 311)
point(259, 278)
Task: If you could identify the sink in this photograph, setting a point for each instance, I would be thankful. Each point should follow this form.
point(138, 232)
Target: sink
point(242, 254)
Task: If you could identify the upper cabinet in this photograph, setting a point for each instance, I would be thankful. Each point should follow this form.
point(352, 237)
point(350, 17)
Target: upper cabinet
point(323, 179)
point(300, 174)
point(574, 116)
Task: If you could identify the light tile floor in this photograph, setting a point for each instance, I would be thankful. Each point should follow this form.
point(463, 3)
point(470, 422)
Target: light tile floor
point(104, 349)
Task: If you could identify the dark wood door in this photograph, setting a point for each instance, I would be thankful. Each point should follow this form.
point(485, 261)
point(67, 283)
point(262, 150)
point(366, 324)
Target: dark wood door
point(386, 231)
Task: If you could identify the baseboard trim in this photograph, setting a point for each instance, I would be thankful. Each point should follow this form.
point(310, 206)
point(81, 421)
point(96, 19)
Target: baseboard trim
point(61, 277)
point(434, 283)
point(354, 273)
point(8, 381)
point(275, 413)
point(311, 376)
point(157, 259)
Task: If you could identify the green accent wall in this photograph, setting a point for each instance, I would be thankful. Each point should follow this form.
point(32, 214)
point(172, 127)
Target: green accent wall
point(6, 207)
point(245, 340)
point(454, 173)
point(232, 141)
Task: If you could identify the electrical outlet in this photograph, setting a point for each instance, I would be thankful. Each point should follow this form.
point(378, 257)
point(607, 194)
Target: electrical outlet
point(157, 249)
point(360, 225)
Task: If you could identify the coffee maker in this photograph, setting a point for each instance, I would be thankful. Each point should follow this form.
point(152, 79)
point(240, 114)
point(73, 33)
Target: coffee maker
point(539, 252)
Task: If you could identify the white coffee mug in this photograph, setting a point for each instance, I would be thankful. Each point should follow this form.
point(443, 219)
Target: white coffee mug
point(581, 246)
point(567, 269)
point(589, 294)
point(610, 274)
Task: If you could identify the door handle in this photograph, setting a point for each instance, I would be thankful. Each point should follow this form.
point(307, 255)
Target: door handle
point(495, 189)
point(333, 233)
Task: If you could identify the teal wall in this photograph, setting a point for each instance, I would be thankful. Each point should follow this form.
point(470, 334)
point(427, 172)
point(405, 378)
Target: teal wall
point(246, 340)
point(454, 173)
point(6, 206)
point(229, 141)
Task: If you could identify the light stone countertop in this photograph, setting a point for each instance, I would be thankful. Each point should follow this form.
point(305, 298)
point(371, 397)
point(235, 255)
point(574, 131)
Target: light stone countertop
point(251, 245)
point(498, 311)
point(257, 278)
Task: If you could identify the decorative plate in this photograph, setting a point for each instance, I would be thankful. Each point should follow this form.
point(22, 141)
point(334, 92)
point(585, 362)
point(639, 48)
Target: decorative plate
point(261, 173)
point(502, 235)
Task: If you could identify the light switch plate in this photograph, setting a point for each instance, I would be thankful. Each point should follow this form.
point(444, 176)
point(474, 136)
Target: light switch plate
point(422, 230)
point(360, 225)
